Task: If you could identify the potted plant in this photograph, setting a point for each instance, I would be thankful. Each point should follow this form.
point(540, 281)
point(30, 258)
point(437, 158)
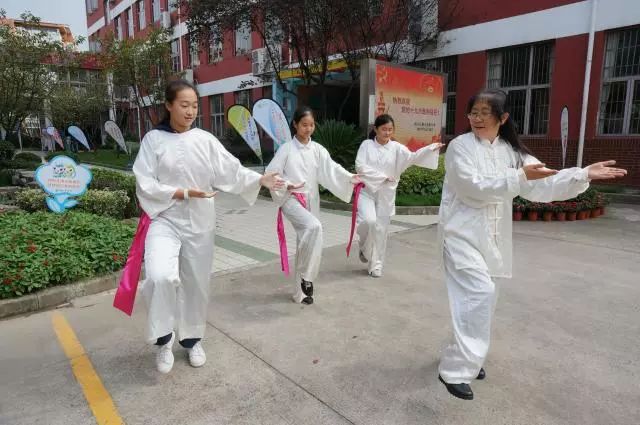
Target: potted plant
point(547, 211)
point(559, 209)
point(584, 210)
point(533, 211)
point(518, 208)
point(572, 209)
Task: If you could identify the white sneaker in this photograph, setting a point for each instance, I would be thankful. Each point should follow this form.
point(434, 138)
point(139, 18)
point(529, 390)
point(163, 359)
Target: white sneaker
point(197, 357)
point(164, 356)
point(375, 273)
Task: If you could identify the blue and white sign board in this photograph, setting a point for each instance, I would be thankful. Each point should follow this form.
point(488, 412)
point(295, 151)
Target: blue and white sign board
point(62, 179)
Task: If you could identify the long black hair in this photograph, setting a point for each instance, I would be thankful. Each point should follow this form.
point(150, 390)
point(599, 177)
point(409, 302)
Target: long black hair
point(170, 94)
point(300, 113)
point(497, 100)
point(380, 121)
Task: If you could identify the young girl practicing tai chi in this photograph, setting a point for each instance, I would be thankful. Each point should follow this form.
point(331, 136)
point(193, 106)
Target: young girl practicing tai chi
point(379, 163)
point(304, 164)
point(176, 172)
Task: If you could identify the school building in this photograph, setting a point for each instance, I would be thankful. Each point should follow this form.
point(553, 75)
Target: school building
point(537, 51)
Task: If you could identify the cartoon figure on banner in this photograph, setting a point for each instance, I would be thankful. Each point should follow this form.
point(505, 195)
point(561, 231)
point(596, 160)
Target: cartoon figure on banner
point(62, 179)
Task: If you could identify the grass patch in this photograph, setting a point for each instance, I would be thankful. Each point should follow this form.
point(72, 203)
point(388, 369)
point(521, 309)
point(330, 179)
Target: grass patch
point(107, 158)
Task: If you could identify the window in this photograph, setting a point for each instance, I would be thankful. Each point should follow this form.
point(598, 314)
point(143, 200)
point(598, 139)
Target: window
point(117, 22)
point(448, 65)
point(243, 39)
point(194, 58)
point(216, 105)
point(243, 97)
point(173, 5)
point(215, 50)
point(524, 72)
point(175, 55)
point(155, 4)
point(105, 11)
point(91, 5)
point(620, 97)
point(130, 21)
point(142, 19)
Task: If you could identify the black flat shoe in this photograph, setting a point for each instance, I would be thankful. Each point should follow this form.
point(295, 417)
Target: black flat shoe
point(462, 391)
point(307, 288)
point(481, 374)
point(307, 300)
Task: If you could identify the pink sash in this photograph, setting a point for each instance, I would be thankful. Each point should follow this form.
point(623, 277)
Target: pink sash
point(126, 293)
point(354, 213)
point(284, 255)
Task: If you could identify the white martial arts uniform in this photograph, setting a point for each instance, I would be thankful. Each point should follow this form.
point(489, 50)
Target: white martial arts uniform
point(481, 180)
point(311, 164)
point(375, 163)
point(180, 240)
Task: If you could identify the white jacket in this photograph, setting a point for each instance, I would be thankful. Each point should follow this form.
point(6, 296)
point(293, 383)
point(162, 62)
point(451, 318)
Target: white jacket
point(376, 162)
point(481, 180)
point(194, 159)
point(311, 164)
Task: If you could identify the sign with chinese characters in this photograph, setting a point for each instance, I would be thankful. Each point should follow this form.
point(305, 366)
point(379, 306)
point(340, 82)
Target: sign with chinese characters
point(412, 96)
point(62, 179)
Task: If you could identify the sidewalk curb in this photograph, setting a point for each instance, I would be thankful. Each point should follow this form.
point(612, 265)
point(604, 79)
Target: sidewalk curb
point(57, 295)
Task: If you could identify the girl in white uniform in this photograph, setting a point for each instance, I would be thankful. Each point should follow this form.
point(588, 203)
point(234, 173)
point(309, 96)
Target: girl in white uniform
point(304, 164)
point(379, 163)
point(485, 169)
point(176, 170)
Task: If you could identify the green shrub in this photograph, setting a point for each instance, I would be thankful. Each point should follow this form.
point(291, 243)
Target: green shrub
point(44, 249)
point(31, 200)
point(422, 181)
point(342, 140)
point(18, 164)
point(114, 180)
point(110, 203)
point(6, 150)
point(70, 154)
point(28, 157)
point(104, 202)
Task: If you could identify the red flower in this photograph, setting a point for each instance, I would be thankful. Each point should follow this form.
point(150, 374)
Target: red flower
point(7, 281)
point(45, 263)
point(32, 248)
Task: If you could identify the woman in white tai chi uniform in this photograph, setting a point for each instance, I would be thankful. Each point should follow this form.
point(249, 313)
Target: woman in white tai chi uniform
point(176, 171)
point(379, 163)
point(304, 164)
point(485, 169)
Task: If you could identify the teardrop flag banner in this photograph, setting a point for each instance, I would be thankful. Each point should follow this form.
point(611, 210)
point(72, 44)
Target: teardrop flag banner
point(113, 130)
point(78, 134)
point(268, 114)
point(240, 118)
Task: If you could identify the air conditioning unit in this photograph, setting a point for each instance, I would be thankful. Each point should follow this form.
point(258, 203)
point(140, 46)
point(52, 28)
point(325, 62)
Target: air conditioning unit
point(261, 62)
point(165, 19)
point(188, 75)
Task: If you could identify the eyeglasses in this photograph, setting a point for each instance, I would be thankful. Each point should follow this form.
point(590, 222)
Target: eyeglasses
point(483, 115)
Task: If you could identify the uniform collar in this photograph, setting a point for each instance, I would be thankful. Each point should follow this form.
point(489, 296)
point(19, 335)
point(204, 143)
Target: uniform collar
point(300, 145)
point(378, 145)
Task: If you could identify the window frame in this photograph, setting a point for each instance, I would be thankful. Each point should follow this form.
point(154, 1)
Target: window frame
point(527, 88)
point(630, 82)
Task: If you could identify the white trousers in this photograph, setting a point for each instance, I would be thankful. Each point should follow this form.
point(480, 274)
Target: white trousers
point(178, 272)
point(308, 241)
point(472, 300)
point(372, 232)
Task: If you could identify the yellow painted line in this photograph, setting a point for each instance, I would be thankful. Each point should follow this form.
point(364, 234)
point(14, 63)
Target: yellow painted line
point(97, 396)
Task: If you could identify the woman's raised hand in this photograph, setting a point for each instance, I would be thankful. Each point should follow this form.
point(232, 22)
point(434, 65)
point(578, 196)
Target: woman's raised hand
point(272, 181)
point(604, 171)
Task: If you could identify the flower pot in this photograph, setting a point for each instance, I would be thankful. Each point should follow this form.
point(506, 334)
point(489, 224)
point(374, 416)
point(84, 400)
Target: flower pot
point(547, 215)
point(561, 216)
point(517, 215)
point(583, 215)
point(601, 210)
point(532, 215)
point(595, 212)
point(571, 216)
